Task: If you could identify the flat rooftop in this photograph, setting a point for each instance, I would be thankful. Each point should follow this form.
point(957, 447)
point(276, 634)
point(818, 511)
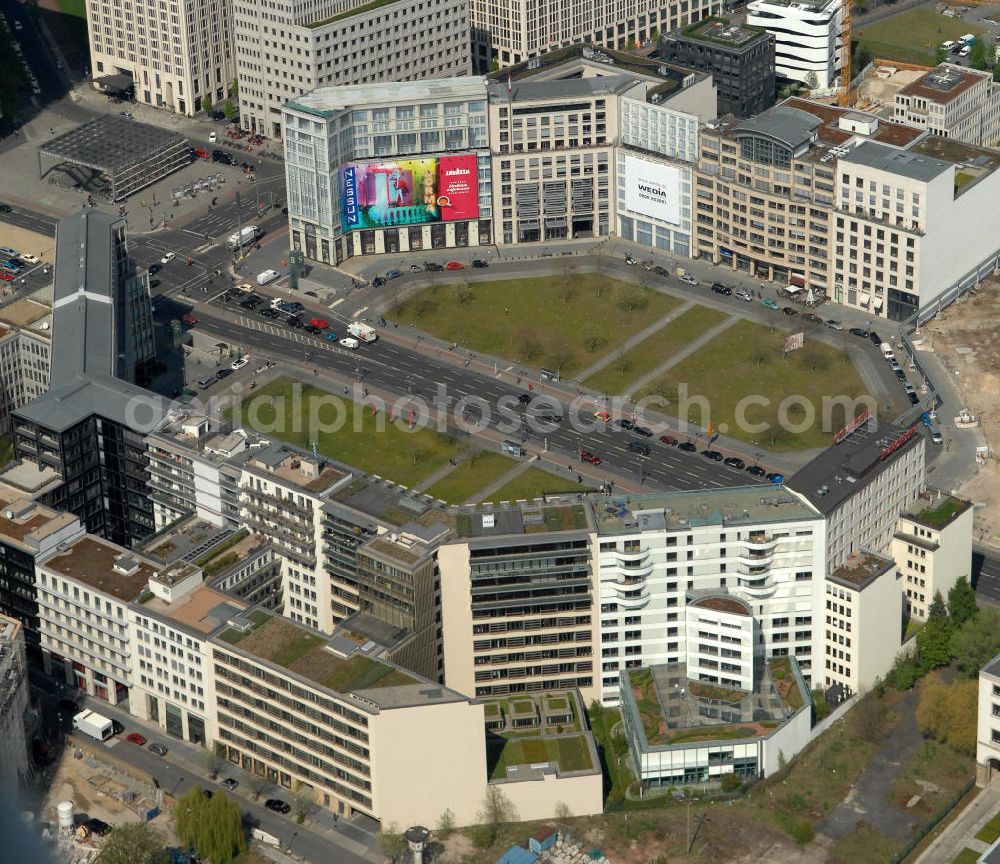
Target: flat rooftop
point(25, 313)
point(188, 539)
point(721, 32)
point(285, 463)
point(324, 101)
point(943, 84)
point(540, 89)
point(861, 570)
point(385, 502)
point(103, 566)
point(659, 511)
point(842, 469)
point(202, 609)
point(27, 477)
point(323, 661)
point(896, 134)
point(534, 517)
point(913, 164)
point(27, 523)
point(936, 510)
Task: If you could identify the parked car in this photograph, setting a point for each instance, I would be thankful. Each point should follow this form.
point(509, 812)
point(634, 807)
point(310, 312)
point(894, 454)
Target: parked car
point(201, 154)
point(432, 267)
point(378, 281)
point(771, 304)
point(914, 398)
point(136, 738)
point(719, 288)
point(158, 749)
point(735, 462)
point(687, 447)
point(756, 471)
point(688, 279)
point(833, 324)
point(643, 431)
point(349, 342)
point(745, 296)
point(28, 258)
point(189, 318)
point(230, 783)
point(812, 319)
point(480, 264)
point(393, 274)
point(166, 259)
point(936, 436)
point(714, 455)
point(239, 364)
point(277, 805)
point(223, 373)
point(638, 447)
point(624, 424)
point(587, 456)
point(455, 265)
point(630, 259)
point(775, 477)
point(153, 269)
point(223, 157)
point(6, 277)
point(669, 440)
point(213, 137)
point(876, 339)
point(790, 312)
point(415, 268)
point(858, 331)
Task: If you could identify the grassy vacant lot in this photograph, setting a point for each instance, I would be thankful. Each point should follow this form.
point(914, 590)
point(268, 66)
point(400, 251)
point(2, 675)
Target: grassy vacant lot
point(943, 766)
point(562, 322)
point(913, 36)
point(534, 483)
point(475, 473)
point(654, 350)
point(748, 360)
point(346, 431)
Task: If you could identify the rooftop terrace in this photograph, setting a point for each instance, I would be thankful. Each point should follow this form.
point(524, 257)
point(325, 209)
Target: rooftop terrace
point(861, 570)
point(523, 518)
point(202, 609)
point(936, 510)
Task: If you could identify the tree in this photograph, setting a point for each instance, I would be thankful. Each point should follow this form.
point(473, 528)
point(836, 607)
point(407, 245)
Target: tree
point(904, 672)
point(134, 843)
point(531, 345)
point(212, 759)
point(812, 82)
point(391, 842)
point(977, 54)
point(940, 56)
point(304, 804)
point(229, 110)
point(868, 717)
point(464, 294)
point(977, 641)
point(630, 298)
point(730, 782)
point(654, 36)
point(961, 602)
point(934, 638)
point(206, 103)
point(593, 341)
point(948, 713)
point(257, 785)
point(446, 824)
point(996, 72)
point(497, 811)
point(212, 826)
point(234, 88)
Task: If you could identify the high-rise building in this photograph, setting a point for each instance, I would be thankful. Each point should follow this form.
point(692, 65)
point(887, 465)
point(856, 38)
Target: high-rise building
point(807, 38)
point(289, 47)
point(176, 53)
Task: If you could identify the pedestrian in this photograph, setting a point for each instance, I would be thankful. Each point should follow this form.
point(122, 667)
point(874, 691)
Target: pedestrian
point(506, 310)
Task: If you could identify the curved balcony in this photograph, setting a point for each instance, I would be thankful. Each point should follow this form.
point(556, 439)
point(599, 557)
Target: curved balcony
point(760, 541)
point(642, 571)
point(756, 588)
point(632, 555)
point(638, 601)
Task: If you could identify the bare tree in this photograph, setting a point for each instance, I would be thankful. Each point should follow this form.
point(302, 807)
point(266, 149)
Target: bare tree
point(561, 354)
point(531, 345)
point(391, 842)
point(631, 297)
point(623, 363)
point(593, 341)
point(257, 785)
point(567, 290)
point(464, 294)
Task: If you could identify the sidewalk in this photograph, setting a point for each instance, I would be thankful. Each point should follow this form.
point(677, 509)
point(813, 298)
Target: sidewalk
point(961, 833)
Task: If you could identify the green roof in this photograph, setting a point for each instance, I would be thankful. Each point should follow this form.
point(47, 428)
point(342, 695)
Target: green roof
point(357, 10)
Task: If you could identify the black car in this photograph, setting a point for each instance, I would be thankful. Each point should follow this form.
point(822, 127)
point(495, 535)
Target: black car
point(4, 208)
point(719, 288)
point(627, 425)
point(431, 267)
point(790, 312)
point(154, 269)
point(154, 283)
point(479, 264)
point(223, 373)
point(661, 271)
point(858, 331)
point(223, 157)
point(900, 374)
point(309, 328)
point(117, 727)
point(638, 447)
point(913, 397)
point(277, 805)
point(249, 304)
point(714, 455)
point(687, 447)
point(97, 827)
point(876, 339)
point(550, 418)
point(294, 322)
point(216, 114)
point(269, 313)
point(378, 281)
point(643, 431)
point(756, 471)
point(734, 462)
point(524, 398)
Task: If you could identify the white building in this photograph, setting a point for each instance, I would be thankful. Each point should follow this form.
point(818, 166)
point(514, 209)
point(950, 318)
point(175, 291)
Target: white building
point(388, 168)
point(175, 52)
point(988, 724)
point(287, 48)
point(14, 764)
point(512, 31)
point(864, 624)
point(807, 37)
point(932, 548)
point(902, 214)
point(954, 102)
point(751, 560)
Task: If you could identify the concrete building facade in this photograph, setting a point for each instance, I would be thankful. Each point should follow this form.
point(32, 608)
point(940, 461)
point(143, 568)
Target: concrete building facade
point(954, 102)
point(807, 38)
point(15, 767)
point(286, 48)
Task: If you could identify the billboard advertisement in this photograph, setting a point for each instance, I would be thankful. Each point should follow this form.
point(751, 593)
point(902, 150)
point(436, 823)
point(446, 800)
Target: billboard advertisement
point(409, 191)
point(653, 190)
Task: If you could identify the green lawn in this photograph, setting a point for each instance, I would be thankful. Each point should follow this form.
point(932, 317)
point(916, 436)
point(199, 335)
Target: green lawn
point(570, 752)
point(967, 856)
point(534, 483)
point(654, 350)
point(563, 322)
point(913, 36)
point(747, 360)
point(475, 473)
point(378, 446)
point(990, 831)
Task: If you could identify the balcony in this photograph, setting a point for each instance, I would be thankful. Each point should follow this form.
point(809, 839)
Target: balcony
point(638, 601)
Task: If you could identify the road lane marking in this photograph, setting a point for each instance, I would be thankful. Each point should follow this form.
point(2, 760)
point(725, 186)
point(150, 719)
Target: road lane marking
point(360, 311)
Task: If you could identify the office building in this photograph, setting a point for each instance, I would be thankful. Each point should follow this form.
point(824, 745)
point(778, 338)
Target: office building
point(740, 60)
point(988, 724)
point(80, 436)
point(932, 548)
point(24, 355)
point(863, 625)
point(175, 54)
point(15, 767)
point(506, 32)
point(806, 38)
point(388, 168)
point(861, 484)
point(668, 563)
point(954, 102)
point(901, 214)
point(288, 48)
point(766, 187)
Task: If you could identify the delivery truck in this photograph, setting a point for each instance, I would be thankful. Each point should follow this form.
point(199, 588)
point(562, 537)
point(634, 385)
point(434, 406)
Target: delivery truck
point(243, 237)
point(93, 724)
point(364, 332)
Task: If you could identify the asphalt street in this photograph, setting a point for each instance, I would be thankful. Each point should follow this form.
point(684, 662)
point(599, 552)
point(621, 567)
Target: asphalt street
point(986, 574)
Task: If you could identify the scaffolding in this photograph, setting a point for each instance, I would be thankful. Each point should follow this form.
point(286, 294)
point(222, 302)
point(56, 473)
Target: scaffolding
point(114, 156)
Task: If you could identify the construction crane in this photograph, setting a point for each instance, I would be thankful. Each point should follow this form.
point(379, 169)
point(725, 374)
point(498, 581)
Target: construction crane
point(844, 96)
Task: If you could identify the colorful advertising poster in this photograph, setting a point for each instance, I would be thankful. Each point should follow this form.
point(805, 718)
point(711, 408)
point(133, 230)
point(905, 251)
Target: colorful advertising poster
point(409, 191)
point(653, 189)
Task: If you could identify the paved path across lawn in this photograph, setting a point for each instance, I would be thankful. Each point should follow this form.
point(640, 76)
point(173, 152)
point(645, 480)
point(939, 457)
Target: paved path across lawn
point(438, 474)
point(501, 481)
point(686, 351)
point(631, 342)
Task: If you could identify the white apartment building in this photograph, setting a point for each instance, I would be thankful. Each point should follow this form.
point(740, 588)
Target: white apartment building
point(903, 214)
point(861, 484)
point(806, 34)
point(175, 52)
point(15, 767)
point(289, 47)
point(988, 724)
point(84, 591)
point(954, 102)
point(512, 31)
point(751, 560)
point(387, 168)
point(863, 624)
point(932, 548)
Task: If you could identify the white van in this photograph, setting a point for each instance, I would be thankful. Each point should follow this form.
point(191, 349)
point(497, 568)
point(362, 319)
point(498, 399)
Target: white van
point(947, 46)
point(267, 277)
